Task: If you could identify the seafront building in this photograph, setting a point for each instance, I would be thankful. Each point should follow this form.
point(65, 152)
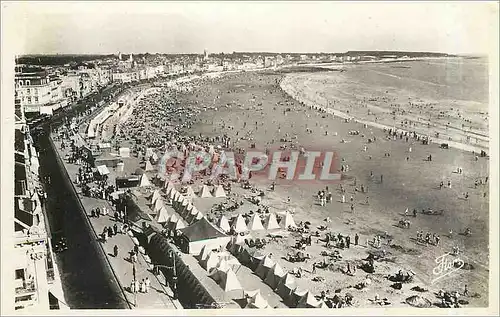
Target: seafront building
point(36, 279)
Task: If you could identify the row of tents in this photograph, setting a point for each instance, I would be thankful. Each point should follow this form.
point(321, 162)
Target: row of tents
point(282, 283)
point(221, 270)
point(255, 223)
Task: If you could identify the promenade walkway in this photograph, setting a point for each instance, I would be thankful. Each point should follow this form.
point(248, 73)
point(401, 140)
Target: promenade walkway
point(159, 295)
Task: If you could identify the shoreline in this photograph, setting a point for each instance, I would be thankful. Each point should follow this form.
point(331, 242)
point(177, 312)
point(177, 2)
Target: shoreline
point(294, 93)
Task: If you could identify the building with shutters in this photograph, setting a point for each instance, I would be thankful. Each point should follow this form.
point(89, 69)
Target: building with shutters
point(35, 280)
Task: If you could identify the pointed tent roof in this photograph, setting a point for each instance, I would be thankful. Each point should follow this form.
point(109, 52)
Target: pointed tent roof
point(229, 281)
point(223, 265)
point(308, 301)
point(159, 205)
point(185, 212)
point(173, 218)
point(162, 216)
point(179, 224)
point(255, 223)
point(239, 224)
point(224, 224)
point(205, 192)
point(144, 181)
point(287, 221)
point(204, 253)
point(297, 295)
point(271, 222)
point(264, 266)
point(190, 192)
point(288, 279)
point(202, 230)
point(175, 195)
point(199, 216)
point(180, 198)
point(155, 196)
point(219, 191)
point(286, 285)
point(274, 276)
point(149, 167)
point(210, 262)
point(257, 301)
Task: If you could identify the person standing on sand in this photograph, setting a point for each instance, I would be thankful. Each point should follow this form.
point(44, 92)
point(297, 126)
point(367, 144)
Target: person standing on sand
point(352, 208)
point(343, 199)
point(381, 178)
point(356, 239)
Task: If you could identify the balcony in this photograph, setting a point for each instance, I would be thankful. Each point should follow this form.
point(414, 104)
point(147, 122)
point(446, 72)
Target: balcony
point(26, 288)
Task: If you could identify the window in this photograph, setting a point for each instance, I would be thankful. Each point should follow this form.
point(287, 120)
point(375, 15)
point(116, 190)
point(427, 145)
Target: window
point(28, 91)
point(36, 99)
point(20, 274)
point(29, 99)
point(35, 91)
point(20, 83)
point(27, 83)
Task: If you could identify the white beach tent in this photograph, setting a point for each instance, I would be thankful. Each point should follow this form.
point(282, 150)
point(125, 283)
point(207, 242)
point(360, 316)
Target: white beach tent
point(173, 219)
point(287, 221)
point(179, 224)
point(155, 196)
point(210, 262)
point(257, 301)
point(149, 167)
point(297, 295)
point(264, 266)
point(159, 205)
point(144, 181)
point(286, 286)
point(162, 216)
point(171, 192)
point(175, 195)
point(227, 280)
point(271, 223)
point(224, 224)
point(239, 224)
point(255, 223)
point(190, 192)
point(274, 276)
point(183, 205)
point(205, 192)
point(178, 202)
point(199, 215)
point(219, 191)
point(185, 212)
point(308, 301)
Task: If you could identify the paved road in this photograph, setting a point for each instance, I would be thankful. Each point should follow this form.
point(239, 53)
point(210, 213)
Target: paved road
point(87, 282)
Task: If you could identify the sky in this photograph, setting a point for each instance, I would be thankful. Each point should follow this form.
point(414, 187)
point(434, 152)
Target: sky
point(191, 27)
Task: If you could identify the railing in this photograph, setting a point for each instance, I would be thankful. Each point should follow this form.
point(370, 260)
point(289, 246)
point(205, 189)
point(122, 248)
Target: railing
point(26, 288)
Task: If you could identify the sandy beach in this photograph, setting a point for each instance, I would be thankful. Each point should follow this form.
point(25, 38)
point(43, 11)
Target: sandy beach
point(413, 183)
